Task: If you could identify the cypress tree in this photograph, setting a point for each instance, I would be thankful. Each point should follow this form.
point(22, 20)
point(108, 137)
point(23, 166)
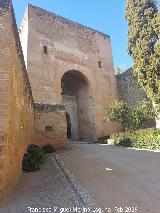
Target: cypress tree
point(144, 45)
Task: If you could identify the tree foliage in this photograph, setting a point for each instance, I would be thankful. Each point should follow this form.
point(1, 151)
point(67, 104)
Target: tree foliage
point(118, 71)
point(144, 45)
point(130, 118)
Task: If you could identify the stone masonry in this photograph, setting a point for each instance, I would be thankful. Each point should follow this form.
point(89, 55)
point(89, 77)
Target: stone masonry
point(69, 70)
point(16, 102)
point(131, 92)
point(19, 116)
point(129, 89)
point(52, 117)
point(57, 50)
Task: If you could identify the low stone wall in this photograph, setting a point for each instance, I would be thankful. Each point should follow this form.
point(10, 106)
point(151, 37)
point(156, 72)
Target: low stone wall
point(50, 125)
point(16, 102)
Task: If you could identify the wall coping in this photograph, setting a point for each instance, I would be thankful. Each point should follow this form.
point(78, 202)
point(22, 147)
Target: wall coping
point(67, 20)
point(42, 107)
point(126, 73)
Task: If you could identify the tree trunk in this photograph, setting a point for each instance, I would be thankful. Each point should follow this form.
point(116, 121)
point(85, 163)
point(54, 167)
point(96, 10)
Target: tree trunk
point(157, 118)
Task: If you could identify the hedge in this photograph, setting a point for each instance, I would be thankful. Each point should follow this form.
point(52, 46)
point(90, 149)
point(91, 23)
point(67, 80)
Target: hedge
point(142, 139)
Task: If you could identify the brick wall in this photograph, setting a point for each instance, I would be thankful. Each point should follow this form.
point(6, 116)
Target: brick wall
point(50, 125)
point(70, 47)
point(16, 103)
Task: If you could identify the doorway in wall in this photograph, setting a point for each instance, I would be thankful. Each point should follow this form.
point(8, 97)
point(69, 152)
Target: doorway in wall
point(69, 128)
point(76, 96)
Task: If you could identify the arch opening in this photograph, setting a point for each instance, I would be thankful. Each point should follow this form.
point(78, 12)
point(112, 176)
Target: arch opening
point(77, 98)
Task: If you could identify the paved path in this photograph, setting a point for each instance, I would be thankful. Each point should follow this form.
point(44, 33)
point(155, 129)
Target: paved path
point(117, 177)
point(47, 188)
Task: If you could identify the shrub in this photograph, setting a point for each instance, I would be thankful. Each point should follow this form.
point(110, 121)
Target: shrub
point(143, 139)
point(130, 118)
point(103, 140)
point(127, 142)
point(48, 148)
point(117, 111)
point(33, 158)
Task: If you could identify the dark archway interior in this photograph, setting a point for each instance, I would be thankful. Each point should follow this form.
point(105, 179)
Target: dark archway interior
point(69, 131)
point(70, 82)
point(77, 98)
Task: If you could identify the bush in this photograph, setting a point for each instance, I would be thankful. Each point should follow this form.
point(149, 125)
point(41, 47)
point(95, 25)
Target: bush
point(102, 140)
point(48, 149)
point(130, 118)
point(143, 139)
point(117, 111)
point(127, 142)
point(33, 158)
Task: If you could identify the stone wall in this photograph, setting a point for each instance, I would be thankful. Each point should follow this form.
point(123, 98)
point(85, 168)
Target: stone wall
point(16, 103)
point(130, 91)
point(57, 45)
point(71, 109)
point(50, 125)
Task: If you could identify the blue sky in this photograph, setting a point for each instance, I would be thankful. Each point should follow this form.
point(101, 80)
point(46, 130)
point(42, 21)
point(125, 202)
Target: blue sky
point(106, 16)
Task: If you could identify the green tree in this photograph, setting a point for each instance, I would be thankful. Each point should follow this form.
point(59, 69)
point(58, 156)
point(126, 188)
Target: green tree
point(117, 111)
point(118, 70)
point(130, 118)
point(143, 44)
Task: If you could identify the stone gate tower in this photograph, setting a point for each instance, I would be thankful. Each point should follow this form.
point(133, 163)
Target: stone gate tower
point(71, 64)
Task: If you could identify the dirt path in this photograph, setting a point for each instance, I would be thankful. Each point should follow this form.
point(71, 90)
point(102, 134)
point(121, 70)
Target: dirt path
point(117, 177)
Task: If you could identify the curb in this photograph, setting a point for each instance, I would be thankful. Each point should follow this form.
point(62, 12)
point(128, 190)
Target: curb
point(82, 193)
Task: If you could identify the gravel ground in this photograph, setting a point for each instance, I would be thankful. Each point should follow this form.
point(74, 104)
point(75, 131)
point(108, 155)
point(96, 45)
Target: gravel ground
point(48, 190)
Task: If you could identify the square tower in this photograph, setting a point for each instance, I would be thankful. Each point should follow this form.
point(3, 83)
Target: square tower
point(71, 64)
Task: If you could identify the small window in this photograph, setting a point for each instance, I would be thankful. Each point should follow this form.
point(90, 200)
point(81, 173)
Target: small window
point(81, 111)
point(48, 128)
point(100, 64)
point(45, 51)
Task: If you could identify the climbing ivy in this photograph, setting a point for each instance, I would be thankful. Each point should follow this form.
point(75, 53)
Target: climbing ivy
point(144, 45)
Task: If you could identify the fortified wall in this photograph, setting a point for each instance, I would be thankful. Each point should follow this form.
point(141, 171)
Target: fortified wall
point(129, 89)
point(69, 68)
point(58, 51)
point(131, 92)
point(19, 116)
point(16, 102)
